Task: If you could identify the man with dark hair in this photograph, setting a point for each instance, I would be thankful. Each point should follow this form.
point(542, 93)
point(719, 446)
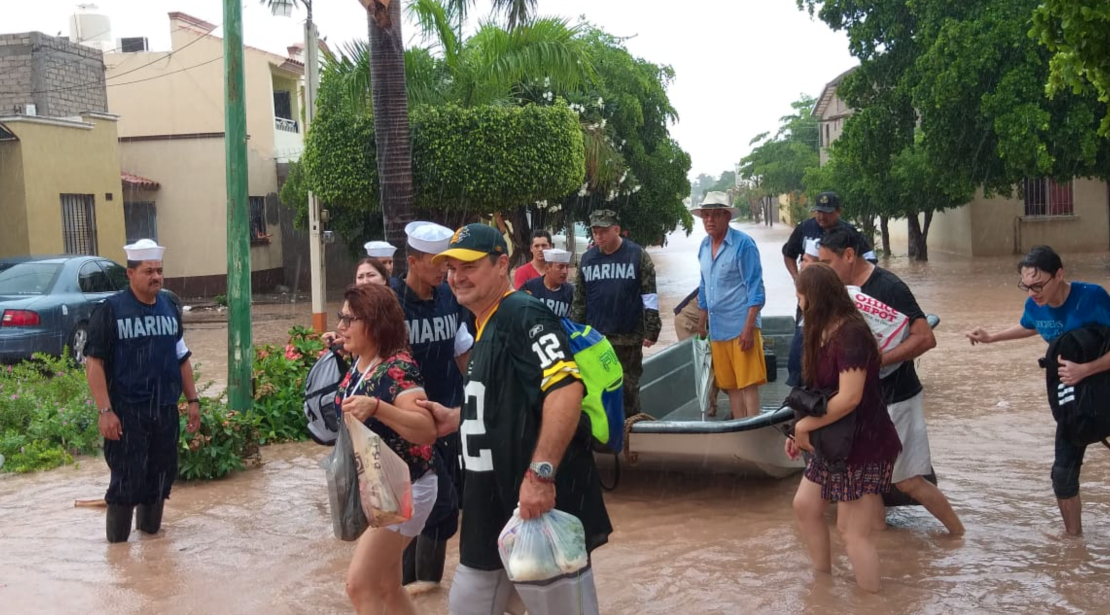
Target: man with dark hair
point(525, 440)
point(541, 240)
point(440, 340)
point(804, 239)
point(840, 249)
point(1054, 307)
point(137, 365)
point(614, 292)
point(552, 288)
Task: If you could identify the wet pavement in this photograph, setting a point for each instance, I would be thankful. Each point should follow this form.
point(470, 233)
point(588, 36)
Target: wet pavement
point(260, 541)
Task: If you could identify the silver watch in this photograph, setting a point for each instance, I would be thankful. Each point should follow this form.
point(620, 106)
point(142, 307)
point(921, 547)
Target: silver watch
point(104, 411)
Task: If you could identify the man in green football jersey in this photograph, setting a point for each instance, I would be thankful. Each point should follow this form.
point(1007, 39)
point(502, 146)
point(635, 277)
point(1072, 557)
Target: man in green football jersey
point(525, 440)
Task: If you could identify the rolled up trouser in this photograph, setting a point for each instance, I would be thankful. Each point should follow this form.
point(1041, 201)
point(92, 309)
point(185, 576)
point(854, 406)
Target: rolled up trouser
point(631, 357)
point(144, 460)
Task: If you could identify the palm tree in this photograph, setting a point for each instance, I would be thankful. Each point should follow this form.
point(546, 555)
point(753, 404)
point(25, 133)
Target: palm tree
point(391, 117)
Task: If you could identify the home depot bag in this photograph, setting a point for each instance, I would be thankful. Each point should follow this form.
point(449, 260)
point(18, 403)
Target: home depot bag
point(888, 325)
point(383, 477)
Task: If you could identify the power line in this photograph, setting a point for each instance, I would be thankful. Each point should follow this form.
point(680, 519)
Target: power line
point(180, 70)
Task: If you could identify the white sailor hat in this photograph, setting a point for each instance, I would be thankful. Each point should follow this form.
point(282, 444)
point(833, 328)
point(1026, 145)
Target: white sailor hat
point(379, 249)
point(144, 250)
point(812, 247)
point(428, 237)
point(555, 255)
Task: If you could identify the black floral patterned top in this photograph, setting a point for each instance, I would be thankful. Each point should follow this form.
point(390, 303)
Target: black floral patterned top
point(395, 376)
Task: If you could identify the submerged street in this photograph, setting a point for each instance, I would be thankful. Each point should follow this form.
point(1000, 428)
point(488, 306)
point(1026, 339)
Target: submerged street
point(260, 542)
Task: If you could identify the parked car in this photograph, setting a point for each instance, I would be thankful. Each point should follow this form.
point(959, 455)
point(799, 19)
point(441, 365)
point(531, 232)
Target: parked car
point(45, 302)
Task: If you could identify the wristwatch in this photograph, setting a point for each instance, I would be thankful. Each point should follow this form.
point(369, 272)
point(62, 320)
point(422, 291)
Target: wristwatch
point(192, 401)
point(104, 411)
point(542, 471)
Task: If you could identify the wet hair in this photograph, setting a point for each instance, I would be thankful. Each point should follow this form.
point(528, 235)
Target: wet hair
point(837, 240)
point(538, 233)
point(827, 305)
point(1044, 258)
point(379, 311)
point(375, 264)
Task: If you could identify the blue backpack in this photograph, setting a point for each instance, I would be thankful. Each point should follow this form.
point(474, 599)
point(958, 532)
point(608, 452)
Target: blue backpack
point(603, 378)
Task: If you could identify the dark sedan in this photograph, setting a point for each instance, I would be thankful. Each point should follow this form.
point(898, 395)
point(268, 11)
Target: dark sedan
point(45, 302)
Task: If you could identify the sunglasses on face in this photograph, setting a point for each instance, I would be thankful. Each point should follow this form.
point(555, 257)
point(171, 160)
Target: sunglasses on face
point(345, 320)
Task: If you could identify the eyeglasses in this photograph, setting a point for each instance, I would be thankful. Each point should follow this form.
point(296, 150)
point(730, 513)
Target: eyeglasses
point(1037, 288)
point(345, 320)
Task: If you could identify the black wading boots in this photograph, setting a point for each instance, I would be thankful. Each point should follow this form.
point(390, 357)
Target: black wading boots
point(148, 517)
point(119, 522)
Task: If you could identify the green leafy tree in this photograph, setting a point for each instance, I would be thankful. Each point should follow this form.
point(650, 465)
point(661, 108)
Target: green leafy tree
point(779, 163)
point(1075, 31)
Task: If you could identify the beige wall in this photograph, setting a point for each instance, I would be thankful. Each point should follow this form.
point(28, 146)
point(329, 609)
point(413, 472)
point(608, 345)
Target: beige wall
point(68, 159)
point(166, 99)
point(997, 226)
point(13, 203)
point(191, 203)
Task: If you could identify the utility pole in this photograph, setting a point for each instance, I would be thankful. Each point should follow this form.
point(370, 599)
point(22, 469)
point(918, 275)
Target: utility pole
point(315, 240)
point(240, 352)
point(316, 276)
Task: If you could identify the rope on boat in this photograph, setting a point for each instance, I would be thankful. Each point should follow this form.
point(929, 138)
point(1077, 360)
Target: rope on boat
point(629, 456)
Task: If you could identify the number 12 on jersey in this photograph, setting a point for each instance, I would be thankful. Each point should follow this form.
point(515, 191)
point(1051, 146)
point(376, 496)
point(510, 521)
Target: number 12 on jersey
point(472, 429)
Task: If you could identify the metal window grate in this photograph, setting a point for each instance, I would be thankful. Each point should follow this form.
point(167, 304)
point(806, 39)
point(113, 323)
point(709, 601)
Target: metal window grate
point(1044, 197)
point(258, 217)
point(79, 224)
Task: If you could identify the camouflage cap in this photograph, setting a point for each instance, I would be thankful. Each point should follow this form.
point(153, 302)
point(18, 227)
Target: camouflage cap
point(604, 217)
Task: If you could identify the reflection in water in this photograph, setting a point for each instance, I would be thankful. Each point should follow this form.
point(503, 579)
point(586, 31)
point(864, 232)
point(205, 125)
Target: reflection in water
point(260, 541)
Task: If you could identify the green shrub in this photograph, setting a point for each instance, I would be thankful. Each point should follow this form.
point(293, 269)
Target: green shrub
point(279, 376)
point(224, 441)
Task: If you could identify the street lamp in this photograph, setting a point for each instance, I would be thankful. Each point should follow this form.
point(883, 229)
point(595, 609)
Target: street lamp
point(284, 8)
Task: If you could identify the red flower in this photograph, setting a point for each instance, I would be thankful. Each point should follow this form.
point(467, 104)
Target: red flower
point(397, 374)
point(421, 452)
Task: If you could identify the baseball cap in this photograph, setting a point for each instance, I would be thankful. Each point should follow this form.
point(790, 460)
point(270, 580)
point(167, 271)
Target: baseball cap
point(473, 242)
point(604, 217)
point(827, 202)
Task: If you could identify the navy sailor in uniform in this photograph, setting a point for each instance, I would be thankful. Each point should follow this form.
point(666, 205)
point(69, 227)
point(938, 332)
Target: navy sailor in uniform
point(440, 342)
point(615, 294)
point(137, 366)
point(552, 287)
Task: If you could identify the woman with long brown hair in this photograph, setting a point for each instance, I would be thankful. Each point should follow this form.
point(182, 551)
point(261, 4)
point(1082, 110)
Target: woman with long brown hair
point(382, 390)
point(841, 357)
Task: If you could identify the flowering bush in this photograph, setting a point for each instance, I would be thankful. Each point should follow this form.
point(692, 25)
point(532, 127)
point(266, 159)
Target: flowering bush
point(279, 376)
point(224, 441)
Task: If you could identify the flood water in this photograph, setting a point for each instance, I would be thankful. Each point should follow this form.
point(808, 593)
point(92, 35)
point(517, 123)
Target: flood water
point(260, 542)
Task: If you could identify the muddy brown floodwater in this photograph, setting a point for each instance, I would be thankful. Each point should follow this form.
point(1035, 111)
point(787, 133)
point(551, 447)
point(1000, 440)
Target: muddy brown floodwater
point(260, 542)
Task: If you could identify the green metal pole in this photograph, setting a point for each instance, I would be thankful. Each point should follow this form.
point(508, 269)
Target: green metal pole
point(240, 355)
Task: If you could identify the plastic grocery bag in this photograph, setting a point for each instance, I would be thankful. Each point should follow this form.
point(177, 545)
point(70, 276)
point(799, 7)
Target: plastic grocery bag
point(888, 325)
point(347, 519)
point(549, 546)
point(704, 381)
point(383, 477)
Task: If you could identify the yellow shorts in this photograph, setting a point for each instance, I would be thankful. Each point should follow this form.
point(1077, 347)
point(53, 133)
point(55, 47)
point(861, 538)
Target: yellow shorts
point(735, 369)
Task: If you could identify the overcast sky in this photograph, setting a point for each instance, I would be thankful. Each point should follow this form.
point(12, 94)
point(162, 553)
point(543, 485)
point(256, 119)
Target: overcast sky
point(739, 63)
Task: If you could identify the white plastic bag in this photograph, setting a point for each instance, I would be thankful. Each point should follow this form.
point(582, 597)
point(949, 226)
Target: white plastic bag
point(543, 548)
point(704, 381)
point(347, 518)
point(384, 483)
point(888, 325)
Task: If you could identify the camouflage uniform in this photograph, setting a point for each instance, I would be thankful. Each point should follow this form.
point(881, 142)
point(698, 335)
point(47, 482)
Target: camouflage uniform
point(628, 346)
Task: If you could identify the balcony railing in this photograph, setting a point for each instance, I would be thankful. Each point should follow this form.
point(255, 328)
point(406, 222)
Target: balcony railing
point(285, 125)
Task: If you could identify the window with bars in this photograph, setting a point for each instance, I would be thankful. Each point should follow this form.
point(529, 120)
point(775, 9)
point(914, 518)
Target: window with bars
point(258, 220)
point(79, 224)
point(1044, 197)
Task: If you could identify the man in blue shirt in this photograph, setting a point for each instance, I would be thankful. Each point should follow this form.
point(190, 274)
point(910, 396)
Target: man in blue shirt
point(137, 366)
point(730, 297)
point(552, 287)
point(1054, 307)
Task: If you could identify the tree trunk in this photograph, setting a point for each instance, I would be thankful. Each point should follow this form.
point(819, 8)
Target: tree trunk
point(521, 236)
point(884, 231)
point(919, 250)
point(391, 120)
